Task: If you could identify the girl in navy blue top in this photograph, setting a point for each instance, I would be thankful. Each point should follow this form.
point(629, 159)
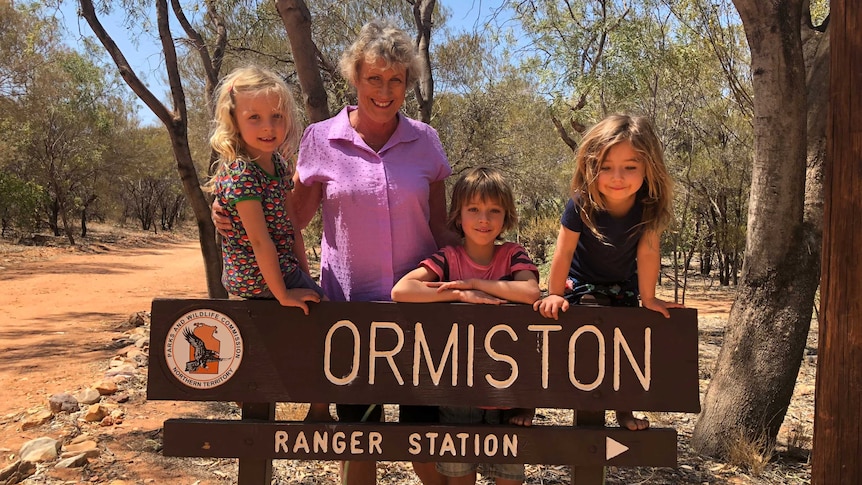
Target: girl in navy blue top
point(608, 249)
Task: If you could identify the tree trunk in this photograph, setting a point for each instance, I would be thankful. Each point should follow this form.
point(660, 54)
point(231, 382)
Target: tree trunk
point(422, 15)
point(176, 121)
point(297, 22)
point(766, 333)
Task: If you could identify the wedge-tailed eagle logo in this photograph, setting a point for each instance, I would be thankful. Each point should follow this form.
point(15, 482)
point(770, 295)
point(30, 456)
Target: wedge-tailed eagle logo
point(203, 349)
point(202, 356)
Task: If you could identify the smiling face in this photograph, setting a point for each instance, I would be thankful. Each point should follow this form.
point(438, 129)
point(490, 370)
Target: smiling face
point(621, 175)
point(482, 221)
point(261, 122)
point(380, 91)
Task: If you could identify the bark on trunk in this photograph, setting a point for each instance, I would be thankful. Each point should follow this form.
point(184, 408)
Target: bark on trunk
point(766, 333)
point(422, 12)
point(297, 22)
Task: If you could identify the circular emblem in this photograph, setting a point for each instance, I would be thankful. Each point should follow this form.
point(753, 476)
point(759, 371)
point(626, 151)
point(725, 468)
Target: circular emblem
point(203, 349)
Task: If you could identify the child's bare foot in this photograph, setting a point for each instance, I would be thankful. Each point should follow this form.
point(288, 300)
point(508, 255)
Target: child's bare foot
point(628, 421)
point(522, 416)
point(318, 412)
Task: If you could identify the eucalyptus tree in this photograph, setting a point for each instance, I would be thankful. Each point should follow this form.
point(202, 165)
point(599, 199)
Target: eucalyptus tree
point(766, 334)
point(209, 47)
point(63, 125)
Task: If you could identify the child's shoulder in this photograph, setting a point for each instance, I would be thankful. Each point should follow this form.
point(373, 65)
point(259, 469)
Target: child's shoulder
point(509, 249)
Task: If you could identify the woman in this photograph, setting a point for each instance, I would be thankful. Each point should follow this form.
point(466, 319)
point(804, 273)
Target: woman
point(379, 177)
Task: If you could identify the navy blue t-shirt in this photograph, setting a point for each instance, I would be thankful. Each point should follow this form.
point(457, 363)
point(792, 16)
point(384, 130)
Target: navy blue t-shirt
point(612, 260)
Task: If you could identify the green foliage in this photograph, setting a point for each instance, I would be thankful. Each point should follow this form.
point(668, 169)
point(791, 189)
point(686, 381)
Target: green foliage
point(684, 65)
point(59, 119)
point(20, 201)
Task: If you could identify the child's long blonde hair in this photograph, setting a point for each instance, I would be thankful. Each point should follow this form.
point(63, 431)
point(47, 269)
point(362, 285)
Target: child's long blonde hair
point(658, 199)
point(225, 138)
point(489, 185)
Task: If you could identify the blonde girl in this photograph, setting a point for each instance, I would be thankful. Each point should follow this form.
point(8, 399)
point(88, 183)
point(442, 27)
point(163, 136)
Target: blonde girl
point(608, 247)
point(255, 132)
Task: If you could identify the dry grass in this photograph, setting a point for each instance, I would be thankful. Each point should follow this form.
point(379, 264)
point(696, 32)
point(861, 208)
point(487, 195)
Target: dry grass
point(751, 454)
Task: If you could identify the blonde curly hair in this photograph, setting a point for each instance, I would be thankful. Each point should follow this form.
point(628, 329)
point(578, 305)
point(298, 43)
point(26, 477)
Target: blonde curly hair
point(225, 138)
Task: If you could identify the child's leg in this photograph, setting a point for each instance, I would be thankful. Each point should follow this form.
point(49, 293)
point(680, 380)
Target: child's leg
point(468, 479)
point(319, 411)
point(628, 420)
point(504, 481)
point(505, 473)
point(521, 416)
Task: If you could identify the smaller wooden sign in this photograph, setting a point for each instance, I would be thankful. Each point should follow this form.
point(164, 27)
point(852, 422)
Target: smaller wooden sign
point(423, 443)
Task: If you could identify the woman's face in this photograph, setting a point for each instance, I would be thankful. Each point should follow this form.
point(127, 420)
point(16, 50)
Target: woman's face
point(380, 91)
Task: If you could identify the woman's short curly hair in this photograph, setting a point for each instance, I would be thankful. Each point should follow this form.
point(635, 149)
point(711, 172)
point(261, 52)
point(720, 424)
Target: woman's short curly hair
point(381, 39)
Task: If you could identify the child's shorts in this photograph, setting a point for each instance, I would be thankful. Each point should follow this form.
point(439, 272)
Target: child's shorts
point(295, 279)
point(613, 294)
point(467, 415)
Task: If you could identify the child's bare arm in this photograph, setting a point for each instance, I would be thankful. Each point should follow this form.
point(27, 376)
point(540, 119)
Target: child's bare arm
point(567, 243)
point(421, 286)
point(252, 218)
point(523, 289)
point(649, 265)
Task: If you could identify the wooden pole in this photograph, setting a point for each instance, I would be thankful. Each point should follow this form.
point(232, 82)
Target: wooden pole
point(838, 404)
point(588, 475)
point(256, 471)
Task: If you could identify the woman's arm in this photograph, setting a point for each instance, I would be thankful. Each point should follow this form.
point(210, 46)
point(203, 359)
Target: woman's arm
point(437, 205)
point(551, 305)
point(649, 265)
point(305, 200)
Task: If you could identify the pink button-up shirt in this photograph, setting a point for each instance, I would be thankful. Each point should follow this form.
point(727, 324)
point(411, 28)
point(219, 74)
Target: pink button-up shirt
point(375, 204)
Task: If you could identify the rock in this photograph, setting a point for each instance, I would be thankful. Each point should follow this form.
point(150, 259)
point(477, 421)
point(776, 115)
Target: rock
point(138, 319)
point(121, 397)
point(63, 403)
point(106, 387)
point(142, 342)
point(95, 413)
point(36, 420)
point(40, 449)
point(125, 369)
point(107, 421)
point(17, 472)
point(79, 439)
point(139, 358)
point(86, 447)
point(72, 462)
point(88, 396)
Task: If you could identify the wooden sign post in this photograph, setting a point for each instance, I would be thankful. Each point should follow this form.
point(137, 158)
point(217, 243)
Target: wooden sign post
point(592, 359)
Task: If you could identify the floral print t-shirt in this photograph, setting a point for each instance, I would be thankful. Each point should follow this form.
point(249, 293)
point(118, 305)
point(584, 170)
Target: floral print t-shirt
point(245, 180)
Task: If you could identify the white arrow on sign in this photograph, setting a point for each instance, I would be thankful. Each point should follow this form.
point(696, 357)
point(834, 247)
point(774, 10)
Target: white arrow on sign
point(614, 448)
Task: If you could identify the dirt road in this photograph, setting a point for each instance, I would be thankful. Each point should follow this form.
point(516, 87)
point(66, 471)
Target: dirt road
point(58, 316)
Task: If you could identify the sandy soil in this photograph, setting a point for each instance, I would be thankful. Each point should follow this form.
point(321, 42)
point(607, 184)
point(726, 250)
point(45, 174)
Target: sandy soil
point(61, 311)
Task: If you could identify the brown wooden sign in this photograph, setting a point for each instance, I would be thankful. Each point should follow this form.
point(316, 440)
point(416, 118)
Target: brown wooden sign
point(402, 442)
point(593, 358)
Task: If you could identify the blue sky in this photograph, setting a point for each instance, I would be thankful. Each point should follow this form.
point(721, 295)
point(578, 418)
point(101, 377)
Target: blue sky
point(145, 58)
